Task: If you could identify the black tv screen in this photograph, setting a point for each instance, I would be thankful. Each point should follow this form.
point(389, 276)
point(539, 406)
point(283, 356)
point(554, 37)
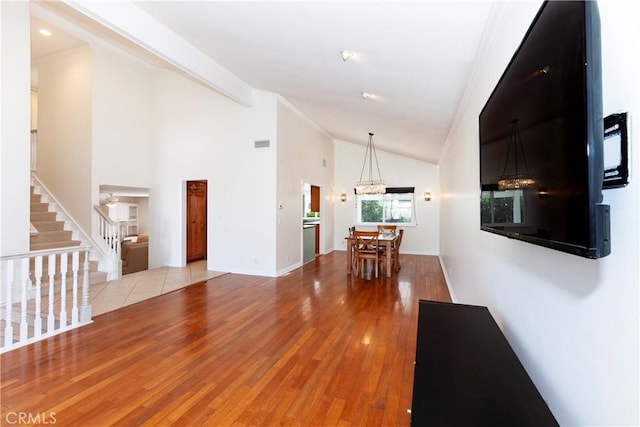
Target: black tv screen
point(541, 137)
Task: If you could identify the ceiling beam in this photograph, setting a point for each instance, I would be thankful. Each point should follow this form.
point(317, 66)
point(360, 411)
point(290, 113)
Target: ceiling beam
point(131, 22)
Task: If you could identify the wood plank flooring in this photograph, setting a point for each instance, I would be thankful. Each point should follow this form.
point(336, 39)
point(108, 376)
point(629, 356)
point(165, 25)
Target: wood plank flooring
point(316, 347)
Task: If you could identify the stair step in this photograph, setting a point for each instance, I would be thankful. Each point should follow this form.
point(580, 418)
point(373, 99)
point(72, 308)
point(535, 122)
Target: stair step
point(95, 278)
point(93, 265)
point(51, 236)
point(39, 207)
point(54, 245)
point(44, 309)
point(42, 216)
point(48, 225)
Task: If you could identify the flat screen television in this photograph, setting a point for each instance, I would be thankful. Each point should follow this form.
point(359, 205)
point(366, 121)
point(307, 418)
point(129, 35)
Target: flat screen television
point(541, 137)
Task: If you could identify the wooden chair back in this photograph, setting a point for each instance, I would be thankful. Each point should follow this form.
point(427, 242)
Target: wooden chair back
point(352, 243)
point(366, 247)
point(366, 240)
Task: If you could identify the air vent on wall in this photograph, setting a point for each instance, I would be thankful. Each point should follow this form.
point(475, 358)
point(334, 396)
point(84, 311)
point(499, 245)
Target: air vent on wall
point(262, 144)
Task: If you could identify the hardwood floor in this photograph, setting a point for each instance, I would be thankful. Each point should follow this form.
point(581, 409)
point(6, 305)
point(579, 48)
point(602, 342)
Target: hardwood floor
point(314, 348)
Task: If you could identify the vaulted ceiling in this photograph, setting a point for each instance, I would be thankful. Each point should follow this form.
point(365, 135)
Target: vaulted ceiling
point(414, 58)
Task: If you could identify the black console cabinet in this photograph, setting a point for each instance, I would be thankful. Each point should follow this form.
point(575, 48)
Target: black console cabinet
point(466, 373)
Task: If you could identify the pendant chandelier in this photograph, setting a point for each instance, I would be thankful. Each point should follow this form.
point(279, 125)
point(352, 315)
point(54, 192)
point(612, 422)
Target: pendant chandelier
point(370, 186)
point(515, 181)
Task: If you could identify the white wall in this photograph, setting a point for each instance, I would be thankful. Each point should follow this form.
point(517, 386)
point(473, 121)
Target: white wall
point(14, 118)
point(121, 116)
point(121, 127)
point(397, 171)
point(305, 155)
point(152, 128)
point(573, 322)
point(34, 109)
point(199, 134)
point(64, 130)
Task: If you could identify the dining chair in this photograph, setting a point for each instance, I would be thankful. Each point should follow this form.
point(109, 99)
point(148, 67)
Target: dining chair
point(393, 252)
point(366, 247)
point(386, 230)
point(396, 250)
point(351, 241)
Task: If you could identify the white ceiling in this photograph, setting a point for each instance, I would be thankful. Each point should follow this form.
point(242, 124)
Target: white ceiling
point(414, 57)
point(59, 40)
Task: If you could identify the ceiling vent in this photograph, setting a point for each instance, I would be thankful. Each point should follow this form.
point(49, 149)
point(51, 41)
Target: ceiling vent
point(262, 144)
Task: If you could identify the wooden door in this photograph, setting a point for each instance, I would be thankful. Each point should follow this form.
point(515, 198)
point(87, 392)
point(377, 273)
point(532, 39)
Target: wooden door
point(196, 220)
point(315, 207)
point(315, 198)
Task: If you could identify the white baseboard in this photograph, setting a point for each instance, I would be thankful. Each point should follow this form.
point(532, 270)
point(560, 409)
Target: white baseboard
point(447, 279)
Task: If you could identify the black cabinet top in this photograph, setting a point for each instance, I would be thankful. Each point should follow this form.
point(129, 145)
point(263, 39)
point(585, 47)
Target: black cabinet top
point(466, 373)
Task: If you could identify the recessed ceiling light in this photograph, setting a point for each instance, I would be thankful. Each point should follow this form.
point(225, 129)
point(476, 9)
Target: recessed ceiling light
point(346, 54)
point(366, 95)
point(45, 32)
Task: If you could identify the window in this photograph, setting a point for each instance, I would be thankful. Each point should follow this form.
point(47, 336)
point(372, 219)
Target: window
point(393, 207)
point(502, 207)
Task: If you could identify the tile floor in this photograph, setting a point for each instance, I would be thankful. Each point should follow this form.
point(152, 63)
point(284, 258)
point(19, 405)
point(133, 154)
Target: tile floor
point(135, 287)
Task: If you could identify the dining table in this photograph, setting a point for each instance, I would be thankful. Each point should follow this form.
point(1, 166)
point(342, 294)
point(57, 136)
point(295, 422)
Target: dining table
point(388, 240)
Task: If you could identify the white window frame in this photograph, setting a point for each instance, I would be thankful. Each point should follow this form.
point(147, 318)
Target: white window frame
point(388, 198)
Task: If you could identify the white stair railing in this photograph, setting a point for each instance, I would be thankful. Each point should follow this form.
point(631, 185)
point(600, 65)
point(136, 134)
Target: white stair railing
point(21, 295)
point(99, 251)
point(111, 233)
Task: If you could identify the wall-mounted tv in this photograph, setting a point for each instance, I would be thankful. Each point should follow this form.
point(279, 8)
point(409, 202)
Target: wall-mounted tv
point(541, 137)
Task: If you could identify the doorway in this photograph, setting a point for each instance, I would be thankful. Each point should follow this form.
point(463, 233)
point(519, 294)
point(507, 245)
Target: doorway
point(196, 220)
point(310, 222)
point(315, 207)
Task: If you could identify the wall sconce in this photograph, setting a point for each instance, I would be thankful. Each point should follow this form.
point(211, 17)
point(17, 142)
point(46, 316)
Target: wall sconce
point(427, 196)
point(343, 197)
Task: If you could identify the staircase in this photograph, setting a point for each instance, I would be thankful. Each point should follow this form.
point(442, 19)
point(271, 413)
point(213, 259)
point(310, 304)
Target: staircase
point(48, 286)
point(51, 234)
point(49, 294)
